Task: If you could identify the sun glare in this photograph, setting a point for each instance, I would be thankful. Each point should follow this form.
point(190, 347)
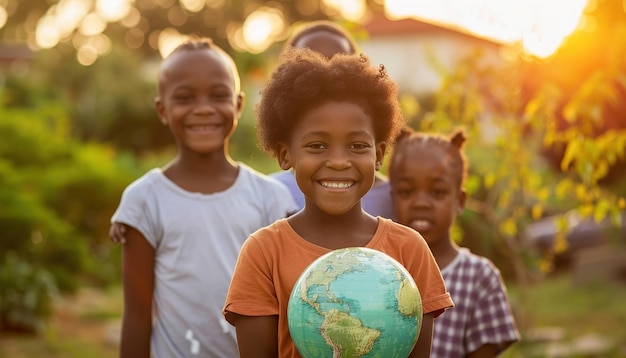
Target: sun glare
point(540, 25)
point(113, 10)
point(3, 16)
point(261, 28)
point(352, 10)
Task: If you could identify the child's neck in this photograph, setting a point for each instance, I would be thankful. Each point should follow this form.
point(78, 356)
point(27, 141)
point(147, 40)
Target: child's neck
point(444, 250)
point(352, 229)
point(206, 174)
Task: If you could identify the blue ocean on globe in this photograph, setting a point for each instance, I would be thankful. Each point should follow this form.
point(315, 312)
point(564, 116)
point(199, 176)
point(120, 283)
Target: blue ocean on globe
point(355, 302)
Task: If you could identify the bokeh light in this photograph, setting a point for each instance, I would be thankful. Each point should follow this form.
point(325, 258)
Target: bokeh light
point(193, 5)
point(92, 24)
point(4, 15)
point(539, 25)
point(262, 28)
point(352, 10)
point(168, 39)
point(113, 10)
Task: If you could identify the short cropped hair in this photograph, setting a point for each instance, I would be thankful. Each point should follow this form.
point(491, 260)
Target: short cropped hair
point(306, 79)
point(206, 43)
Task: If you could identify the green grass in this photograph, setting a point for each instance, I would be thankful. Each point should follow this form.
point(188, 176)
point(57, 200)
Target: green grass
point(79, 328)
point(576, 310)
point(555, 302)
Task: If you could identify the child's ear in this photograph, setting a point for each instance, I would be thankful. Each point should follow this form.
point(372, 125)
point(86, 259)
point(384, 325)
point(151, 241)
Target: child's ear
point(241, 99)
point(381, 147)
point(283, 157)
point(160, 109)
point(462, 198)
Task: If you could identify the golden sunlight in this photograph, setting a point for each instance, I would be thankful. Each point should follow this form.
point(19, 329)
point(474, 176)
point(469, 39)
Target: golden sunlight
point(3, 16)
point(352, 10)
point(113, 10)
point(262, 28)
point(539, 25)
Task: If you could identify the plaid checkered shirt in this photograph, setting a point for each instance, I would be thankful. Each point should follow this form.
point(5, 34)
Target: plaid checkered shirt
point(481, 314)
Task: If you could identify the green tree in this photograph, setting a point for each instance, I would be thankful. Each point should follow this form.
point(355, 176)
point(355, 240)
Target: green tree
point(527, 116)
point(57, 196)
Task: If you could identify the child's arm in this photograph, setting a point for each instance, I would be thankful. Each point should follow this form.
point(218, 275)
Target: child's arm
point(138, 277)
point(422, 347)
point(257, 337)
point(117, 233)
point(487, 350)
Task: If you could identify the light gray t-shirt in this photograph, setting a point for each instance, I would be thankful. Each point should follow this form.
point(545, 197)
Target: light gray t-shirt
point(197, 238)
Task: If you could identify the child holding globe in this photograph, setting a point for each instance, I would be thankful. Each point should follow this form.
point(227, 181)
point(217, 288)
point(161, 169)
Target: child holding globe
point(427, 174)
point(330, 120)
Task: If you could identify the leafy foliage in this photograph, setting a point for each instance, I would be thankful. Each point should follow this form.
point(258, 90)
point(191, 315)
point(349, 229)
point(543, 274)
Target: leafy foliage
point(515, 136)
point(26, 294)
point(57, 195)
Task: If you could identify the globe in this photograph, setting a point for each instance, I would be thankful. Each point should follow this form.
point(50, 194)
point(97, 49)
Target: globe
point(355, 302)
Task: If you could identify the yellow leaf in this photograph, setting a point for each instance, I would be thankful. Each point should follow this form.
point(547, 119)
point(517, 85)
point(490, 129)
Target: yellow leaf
point(601, 210)
point(490, 180)
point(560, 242)
point(571, 152)
point(508, 227)
point(563, 188)
point(537, 211)
point(546, 265)
point(581, 192)
point(585, 211)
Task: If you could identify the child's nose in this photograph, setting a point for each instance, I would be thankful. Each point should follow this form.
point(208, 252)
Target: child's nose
point(420, 199)
point(205, 106)
point(338, 159)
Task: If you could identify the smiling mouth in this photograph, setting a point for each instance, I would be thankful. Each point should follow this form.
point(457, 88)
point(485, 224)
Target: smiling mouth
point(420, 225)
point(203, 127)
point(337, 184)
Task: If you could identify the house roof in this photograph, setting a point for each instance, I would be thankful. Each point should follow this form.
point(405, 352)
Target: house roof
point(381, 25)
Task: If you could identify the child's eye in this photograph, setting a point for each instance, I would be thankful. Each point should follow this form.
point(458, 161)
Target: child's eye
point(183, 97)
point(438, 193)
point(317, 146)
point(403, 193)
point(221, 96)
point(359, 146)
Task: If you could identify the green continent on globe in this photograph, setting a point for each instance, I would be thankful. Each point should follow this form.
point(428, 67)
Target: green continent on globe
point(325, 277)
point(355, 303)
point(409, 300)
point(347, 335)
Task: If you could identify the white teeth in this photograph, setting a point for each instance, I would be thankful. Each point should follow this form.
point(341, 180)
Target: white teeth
point(420, 224)
point(202, 127)
point(336, 185)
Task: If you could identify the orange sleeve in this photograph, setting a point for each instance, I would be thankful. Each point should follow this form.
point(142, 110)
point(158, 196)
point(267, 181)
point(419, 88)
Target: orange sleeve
point(251, 291)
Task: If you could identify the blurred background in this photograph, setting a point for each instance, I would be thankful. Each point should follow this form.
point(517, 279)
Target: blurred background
point(539, 86)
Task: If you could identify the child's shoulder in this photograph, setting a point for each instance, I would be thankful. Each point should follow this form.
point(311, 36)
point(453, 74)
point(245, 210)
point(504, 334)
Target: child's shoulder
point(145, 182)
point(260, 181)
point(397, 229)
point(398, 235)
point(476, 263)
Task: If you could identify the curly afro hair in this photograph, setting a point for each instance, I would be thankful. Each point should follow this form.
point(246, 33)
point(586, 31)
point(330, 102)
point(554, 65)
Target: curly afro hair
point(306, 79)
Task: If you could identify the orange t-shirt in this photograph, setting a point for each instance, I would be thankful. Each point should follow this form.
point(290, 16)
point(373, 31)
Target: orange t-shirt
point(272, 259)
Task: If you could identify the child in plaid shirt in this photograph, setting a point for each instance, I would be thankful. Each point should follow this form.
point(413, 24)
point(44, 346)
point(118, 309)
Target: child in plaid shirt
point(428, 194)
